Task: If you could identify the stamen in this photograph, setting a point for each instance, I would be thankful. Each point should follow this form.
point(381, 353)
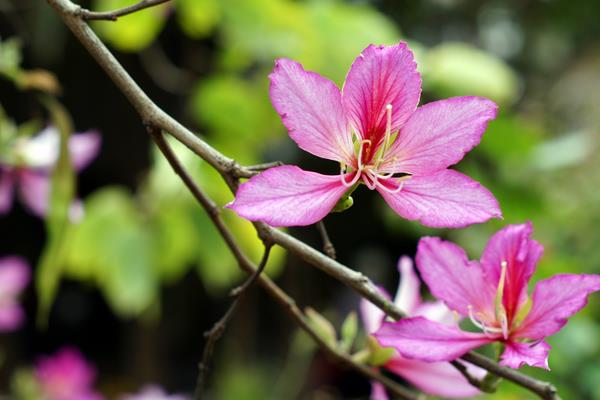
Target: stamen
point(360, 153)
point(487, 330)
point(387, 189)
point(501, 316)
point(388, 134)
point(343, 177)
point(372, 181)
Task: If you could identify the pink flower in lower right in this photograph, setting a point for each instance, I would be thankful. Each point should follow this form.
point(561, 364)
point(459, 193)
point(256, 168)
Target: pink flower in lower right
point(493, 294)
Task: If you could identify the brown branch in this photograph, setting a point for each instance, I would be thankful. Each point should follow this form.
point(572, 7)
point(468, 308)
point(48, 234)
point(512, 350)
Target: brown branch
point(115, 14)
point(474, 381)
point(154, 116)
point(274, 291)
point(327, 244)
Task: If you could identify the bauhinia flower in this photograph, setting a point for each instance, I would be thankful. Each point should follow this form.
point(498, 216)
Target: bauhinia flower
point(153, 392)
point(493, 294)
point(14, 277)
point(66, 376)
point(29, 164)
point(438, 379)
point(374, 129)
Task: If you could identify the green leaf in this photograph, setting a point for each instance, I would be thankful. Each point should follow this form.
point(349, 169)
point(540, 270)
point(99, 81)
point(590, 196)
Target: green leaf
point(198, 17)
point(322, 326)
point(349, 331)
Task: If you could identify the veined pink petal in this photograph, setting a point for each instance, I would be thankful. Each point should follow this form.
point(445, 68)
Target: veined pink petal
point(439, 134)
point(438, 378)
point(371, 315)
point(11, 317)
point(452, 278)
point(408, 297)
point(421, 339)
point(534, 354)
point(288, 196)
point(378, 391)
point(514, 246)
point(34, 190)
point(554, 300)
point(379, 76)
point(311, 109)
point(83, 148)
point(14, 276)
point(7, 187)
point(446, 199)
point(436, 311)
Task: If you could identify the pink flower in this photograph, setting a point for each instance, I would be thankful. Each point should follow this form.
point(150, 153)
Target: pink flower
point(374, 129)
point(493, 293)
point(14, 277)
point(66, 376)
point(30, 163)
point(153, 392)
point(438, 379)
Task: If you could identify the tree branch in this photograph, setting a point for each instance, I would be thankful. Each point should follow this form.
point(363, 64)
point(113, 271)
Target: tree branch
point(115, 14)
point(328, 247)
point(154, 116)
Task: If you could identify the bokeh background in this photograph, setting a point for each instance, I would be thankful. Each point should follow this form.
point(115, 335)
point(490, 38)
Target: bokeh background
point(145, 274)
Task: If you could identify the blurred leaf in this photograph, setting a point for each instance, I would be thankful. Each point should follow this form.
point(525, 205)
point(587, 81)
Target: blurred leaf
point(10, 57)
point(322, 326)
point(39, 79)
point(132, 32)
point(198, 17)
point(24, 385)
point(459, 69)
point(349, 331)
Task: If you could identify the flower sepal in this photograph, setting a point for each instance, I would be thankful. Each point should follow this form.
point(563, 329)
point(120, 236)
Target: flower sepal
point(378, 355)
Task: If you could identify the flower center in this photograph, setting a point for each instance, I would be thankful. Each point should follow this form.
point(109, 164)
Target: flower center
point(368, 170)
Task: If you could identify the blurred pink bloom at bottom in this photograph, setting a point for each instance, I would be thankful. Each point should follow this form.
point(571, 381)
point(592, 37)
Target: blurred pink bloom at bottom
point(153, 392)
point(14, 276)
point(66, 375)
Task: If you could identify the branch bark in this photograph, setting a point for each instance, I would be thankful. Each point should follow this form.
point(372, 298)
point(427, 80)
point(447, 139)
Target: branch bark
point(153, 116)
point(115, 14)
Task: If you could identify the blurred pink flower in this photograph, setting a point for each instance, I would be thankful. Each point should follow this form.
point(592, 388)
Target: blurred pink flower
point(153, 392)
point(493, 293)
point(66, 376)
point(374, 129)
point(29, 165)
point(14, 277)
point(438, 379)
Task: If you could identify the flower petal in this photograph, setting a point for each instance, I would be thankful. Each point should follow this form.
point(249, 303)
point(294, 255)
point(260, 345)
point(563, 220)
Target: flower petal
point(288, 196)
point(378, 391)
point(447, 199)
point(408, 297)
point(379, 76)
point(513, 245)
point(437, 379)
point(14, 276)
point(554, 300)
point(371, 315)
point(436, 311)
point(452, 278)
point(83, 148)
point(421, 339)
point(7, 187)
point(310, 107)
point(11, 317)
point(534, 354)
point(34, 190)
point(439, 134)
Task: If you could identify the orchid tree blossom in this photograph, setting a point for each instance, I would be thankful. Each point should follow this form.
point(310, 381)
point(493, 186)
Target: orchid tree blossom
point(14, 277)
point(374, 130)
point(438, 379)
point(29, 163)
point(66, 375)
point(153, 392)
point(493, 294)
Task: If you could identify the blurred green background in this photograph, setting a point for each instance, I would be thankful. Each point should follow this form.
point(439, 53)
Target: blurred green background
point(145, 274)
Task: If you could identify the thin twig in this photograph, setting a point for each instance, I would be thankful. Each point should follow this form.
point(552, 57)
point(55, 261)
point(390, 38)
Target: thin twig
point(327, 244)
point(115, 14)
point(288, 304)
point(214, 334)
point(474, 381)
point(152, 115)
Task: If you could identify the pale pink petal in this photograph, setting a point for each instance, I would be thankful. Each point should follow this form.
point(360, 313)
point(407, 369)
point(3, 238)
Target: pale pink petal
point(408, 297)
point(15, 274)
point(439, 134)
point(371, 315)
point(447, 199)
point(11, 317)
point(452, 278)
point(34, 190)
point(517, 354)
point(379, 76)
point(288, 196)
point(436, 311)
point(83, 148)
point(554, 300)
point(514, 246)
point(378, 391)
point(7, 187)
point(311, 109)
point(421, 339)
point(437, 378)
